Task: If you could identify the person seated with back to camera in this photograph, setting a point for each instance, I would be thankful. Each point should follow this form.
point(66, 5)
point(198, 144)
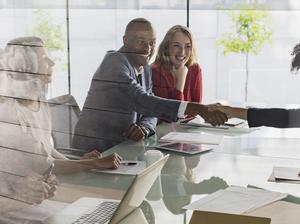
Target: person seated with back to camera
point(25, 139)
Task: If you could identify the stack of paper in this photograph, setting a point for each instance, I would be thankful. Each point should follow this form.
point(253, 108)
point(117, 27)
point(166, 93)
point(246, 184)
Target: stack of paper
point(236, 200)
point(285, 174)
point(196, 138)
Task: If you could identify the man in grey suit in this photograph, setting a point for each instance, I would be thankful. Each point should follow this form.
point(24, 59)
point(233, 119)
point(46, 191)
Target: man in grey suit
point(120, 103)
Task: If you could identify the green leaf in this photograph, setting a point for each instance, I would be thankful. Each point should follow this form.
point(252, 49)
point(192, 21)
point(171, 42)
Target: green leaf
point(249, 31)
point(51, 33)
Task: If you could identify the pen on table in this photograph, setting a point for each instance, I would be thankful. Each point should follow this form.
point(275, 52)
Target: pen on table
point(128, 163)
point(48, 172)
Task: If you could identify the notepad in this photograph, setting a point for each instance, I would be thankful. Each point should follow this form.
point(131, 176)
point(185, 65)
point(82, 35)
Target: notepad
point(196, 138)
point(125, 168)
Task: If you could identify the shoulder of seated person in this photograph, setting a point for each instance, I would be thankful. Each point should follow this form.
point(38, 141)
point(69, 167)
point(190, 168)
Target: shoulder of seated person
point(115, 54)
point(194, 68)
point(160, 70)
point(155, 65)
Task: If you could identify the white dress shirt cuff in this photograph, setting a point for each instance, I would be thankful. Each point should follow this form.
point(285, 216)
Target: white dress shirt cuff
point(182, 109)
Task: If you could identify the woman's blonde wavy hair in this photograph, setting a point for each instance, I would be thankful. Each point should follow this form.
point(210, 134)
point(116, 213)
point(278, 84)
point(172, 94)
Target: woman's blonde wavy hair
point(163, 56)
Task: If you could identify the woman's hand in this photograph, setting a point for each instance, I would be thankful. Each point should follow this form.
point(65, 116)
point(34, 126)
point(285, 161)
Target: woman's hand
point(34, 191)
point(112, 161)
point(91, 155)
point(180, 74)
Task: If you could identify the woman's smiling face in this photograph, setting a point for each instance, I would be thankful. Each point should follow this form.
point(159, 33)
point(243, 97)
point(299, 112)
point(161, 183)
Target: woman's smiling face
point(180, 49)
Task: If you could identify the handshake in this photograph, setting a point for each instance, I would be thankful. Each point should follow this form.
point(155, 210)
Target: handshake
point(216, 114)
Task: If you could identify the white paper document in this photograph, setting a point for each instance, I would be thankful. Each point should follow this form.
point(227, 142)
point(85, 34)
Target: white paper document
point(272, 179)
point(285, 175)
point(196, 138)
point(236, 200)
point(126, 168)
point(199, 122)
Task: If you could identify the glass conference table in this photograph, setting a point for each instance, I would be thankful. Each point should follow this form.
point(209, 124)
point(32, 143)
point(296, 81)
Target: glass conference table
point(245, 157)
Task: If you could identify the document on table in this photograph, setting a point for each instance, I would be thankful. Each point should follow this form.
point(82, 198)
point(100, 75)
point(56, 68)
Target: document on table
point(235, 200)
point(125, 168)
point(285, 174)
point(197, 138)
point(199, 122)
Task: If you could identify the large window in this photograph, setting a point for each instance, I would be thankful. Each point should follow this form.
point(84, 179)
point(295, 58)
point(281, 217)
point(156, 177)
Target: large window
point(105, 29)
point(46, 19)
point(270, 80)
point(98, 25)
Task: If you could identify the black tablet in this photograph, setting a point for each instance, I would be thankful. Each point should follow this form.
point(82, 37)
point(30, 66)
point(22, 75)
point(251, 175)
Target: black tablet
point(186, 148)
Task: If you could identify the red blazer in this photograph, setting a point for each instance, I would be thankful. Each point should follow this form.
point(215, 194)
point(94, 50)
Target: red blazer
point(164, 84)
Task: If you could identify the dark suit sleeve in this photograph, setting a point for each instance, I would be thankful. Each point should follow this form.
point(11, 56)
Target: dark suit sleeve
point(273, 117)
point(150, 123)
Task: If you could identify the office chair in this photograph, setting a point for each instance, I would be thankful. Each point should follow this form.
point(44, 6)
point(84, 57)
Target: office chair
point(64, 116)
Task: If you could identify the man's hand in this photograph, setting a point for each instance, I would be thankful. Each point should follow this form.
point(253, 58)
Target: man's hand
point(112, 161)
point(214, 117)
point(134, 132)
point(230, 111)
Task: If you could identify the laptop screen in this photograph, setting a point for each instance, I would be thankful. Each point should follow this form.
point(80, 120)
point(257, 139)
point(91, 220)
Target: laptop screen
point(138, 190)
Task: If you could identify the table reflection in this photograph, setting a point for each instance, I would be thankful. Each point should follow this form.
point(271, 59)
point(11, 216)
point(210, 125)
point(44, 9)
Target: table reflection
point(179, 182)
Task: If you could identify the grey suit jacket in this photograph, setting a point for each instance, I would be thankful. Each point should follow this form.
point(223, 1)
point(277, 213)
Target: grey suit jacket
point(115, 101)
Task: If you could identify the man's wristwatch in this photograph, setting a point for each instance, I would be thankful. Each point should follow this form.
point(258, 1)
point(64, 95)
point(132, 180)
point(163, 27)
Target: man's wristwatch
point(145, 130)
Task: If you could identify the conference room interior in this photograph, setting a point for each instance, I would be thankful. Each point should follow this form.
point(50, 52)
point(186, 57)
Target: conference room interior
point(77, 35)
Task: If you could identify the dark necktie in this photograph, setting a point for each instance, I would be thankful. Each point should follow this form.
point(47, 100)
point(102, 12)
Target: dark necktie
point(139, 79)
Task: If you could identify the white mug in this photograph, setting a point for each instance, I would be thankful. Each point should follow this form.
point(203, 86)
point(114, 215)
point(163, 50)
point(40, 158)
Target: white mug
point(151, 156)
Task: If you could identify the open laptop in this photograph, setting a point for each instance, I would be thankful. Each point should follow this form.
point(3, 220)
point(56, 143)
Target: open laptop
point(93, 210)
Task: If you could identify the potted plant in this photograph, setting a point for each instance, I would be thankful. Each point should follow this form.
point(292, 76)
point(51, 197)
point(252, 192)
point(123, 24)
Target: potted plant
point(250, 32)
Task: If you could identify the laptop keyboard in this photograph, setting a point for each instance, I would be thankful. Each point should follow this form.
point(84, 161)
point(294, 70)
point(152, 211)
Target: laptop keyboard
point(100, 215)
